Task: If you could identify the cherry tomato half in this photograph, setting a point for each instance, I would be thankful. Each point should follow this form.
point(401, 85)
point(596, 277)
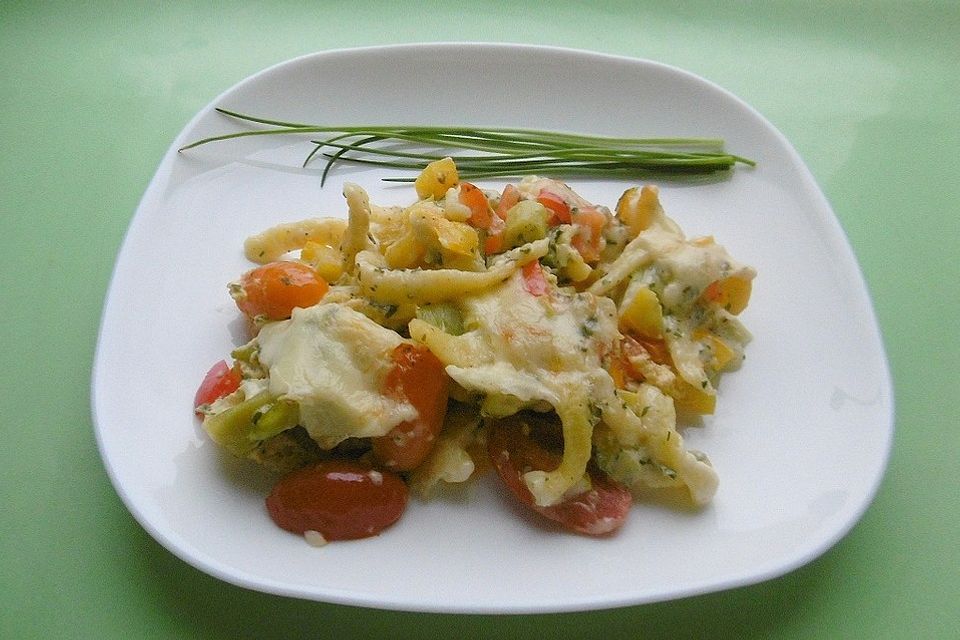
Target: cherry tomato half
point(275, 289)
point(340, 499)
point(419, 377)
point(518, 444)
point(220, 381)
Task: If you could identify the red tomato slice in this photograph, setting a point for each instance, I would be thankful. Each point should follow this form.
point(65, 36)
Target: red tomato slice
point(656, 348)
point(340, 499)
point(620, 367)
point(510, 197)
point(589, 238)
point(220, 381)
point(516, 445)
point(419, 377)
point(493, 243)
point(533, 279)
point(494, 240)
point(558, 207)
point(481, 215)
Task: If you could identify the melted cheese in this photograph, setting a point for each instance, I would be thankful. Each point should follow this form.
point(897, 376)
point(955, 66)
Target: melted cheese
point(543, 352)
point(332, 361)
point(535, 343)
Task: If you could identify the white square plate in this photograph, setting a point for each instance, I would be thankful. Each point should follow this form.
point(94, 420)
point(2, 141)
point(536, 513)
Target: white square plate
point(802, 432)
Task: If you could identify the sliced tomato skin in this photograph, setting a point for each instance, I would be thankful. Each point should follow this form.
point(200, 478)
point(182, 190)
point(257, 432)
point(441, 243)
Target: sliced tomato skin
point(600, 510)
point(340, 499)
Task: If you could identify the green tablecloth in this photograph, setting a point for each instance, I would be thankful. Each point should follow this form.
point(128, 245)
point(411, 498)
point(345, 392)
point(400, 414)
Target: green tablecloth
point(93, 93)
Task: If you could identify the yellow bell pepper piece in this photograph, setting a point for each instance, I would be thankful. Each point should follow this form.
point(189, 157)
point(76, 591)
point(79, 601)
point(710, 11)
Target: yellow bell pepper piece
point(642, 314)
point(436, 178)
point(691, 400)
point(455, 237)
point(325, 259)
point(637, 208)
point(722, 354)
point(731, 293)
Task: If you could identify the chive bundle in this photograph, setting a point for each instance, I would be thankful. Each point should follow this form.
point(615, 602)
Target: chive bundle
point(499, 152)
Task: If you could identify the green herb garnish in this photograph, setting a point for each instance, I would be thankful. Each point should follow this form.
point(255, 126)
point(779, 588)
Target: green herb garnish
point(500, 151)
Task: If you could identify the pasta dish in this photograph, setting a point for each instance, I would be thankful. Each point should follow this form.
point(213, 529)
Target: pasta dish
point(522, 331)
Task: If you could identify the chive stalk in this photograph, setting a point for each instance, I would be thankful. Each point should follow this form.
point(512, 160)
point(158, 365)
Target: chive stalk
point(497, 152)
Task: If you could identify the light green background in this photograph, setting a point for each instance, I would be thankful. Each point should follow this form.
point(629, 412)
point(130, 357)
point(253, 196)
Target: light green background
point(93, 93)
